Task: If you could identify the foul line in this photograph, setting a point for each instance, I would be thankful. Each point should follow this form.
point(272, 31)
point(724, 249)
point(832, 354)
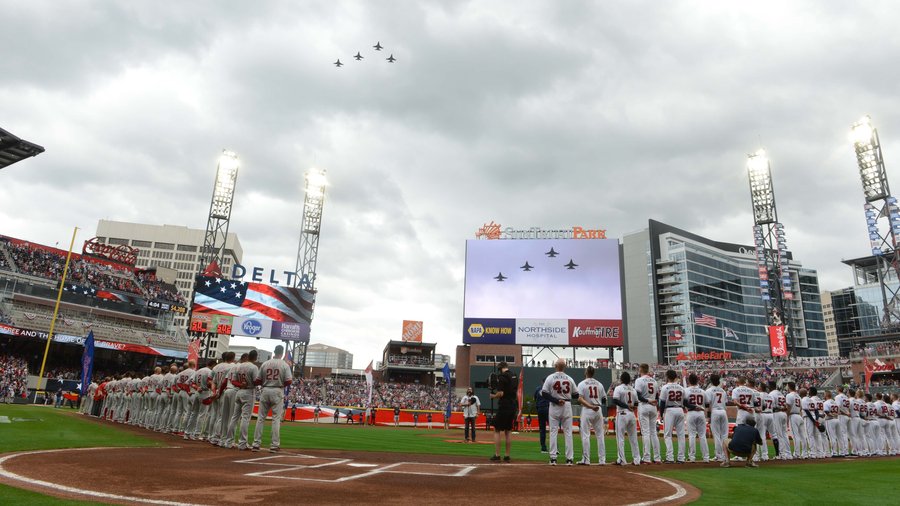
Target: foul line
point(73, 490)
point(679, 491)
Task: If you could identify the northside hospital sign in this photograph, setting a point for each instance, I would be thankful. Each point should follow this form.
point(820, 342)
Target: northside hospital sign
point(494, 231)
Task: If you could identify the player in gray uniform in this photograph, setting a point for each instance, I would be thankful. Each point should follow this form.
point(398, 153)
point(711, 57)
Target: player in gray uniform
point(244, 378)
point(647, 391)
point(154, 387)
point(143, 408)
point(183, 397)
point(217, 425)
point(779, 422)
point(200, 401)
point(591, 396)
point(274, 376)
point(625, 399)
point(696, 419)
point(170, 390)
point(163, 403)
point(671, 404)
point(718, 416)
point(87, 403)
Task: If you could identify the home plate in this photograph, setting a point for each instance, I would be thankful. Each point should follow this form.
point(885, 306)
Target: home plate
point(353, 464)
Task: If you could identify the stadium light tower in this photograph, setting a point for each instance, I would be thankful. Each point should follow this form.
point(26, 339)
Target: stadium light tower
point(771, 249)
point(219, 218)
point(882, 217)
point(308, 249)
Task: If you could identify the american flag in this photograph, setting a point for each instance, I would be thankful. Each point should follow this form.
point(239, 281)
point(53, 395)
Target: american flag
point(704, 319)
point(252, 300)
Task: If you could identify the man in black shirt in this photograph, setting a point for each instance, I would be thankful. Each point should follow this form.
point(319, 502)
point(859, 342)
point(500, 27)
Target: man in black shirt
point(743, 442)
point(543, 410)
point(506, 412)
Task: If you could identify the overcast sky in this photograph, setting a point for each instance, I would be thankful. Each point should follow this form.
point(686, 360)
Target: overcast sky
point(552, 114)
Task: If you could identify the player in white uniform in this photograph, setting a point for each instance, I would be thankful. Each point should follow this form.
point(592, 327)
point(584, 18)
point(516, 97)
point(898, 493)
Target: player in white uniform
point(895, 431)
point(274, 375)
point(883, 412)
point(843, 436)
point(765, 423)
point(696, 419)
point(625, 399)
point(718, 417)
point(875, 448)
point(558, 389)
point(832, 421)
point(592, 396)
point(671, 404)
point(743, 396)
point(812, 415)
point(795, 416)
point(779, 422)
point(648, 397)
point(859, 447)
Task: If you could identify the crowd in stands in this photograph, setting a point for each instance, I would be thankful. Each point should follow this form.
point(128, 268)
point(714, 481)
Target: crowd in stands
point(878, 349)
point(13, 378)
point(353, 392)
point(159, 290)
point(50, 265)
point(5, 319)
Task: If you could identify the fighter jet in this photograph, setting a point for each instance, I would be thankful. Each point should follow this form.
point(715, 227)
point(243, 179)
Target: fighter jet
point(526, 267)
point(338, 63)
point(571, 265)
point(358, 56)
point(551, 253)
point(377, 46)
point(391, 59)
point(500, 277)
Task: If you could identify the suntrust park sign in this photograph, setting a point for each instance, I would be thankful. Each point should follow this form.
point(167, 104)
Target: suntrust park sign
point(495, 231)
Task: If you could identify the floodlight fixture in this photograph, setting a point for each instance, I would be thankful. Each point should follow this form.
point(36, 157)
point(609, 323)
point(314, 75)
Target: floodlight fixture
point(762, 193)
point(871, 163)
point(223, 190)
point(316, 180)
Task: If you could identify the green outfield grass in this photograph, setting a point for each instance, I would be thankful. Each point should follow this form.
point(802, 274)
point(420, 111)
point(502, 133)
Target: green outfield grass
point(37, 428)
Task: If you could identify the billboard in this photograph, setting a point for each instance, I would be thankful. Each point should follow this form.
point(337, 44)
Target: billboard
point(251, 309)
point(777, 341)
point(412, 331)
point(544, 292)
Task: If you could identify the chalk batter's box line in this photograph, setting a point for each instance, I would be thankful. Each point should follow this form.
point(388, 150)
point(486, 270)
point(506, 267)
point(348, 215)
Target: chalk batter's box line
point(282, 468)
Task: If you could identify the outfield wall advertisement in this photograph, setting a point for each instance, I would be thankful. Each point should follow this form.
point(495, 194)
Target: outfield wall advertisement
point(543, 292)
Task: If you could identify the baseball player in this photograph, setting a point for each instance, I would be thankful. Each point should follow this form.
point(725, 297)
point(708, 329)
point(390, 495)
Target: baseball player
point(742, 396)
point(855, 425)
point(671, 404)
point(861, 445)
point(812, 413)
point(591, 396)
point(201, 400)
point(832, 420)
point(244, 377)
point(843, 436)
point(895, 406)
point(871, 425)
point(883, 410)
point(779, 422)
point(181, 406)
point(274, 376)
point(696, 419)
point(165, 399)
point(718, 417)
point(559, 390)
point(795, 415)
point(224, 402)
point(137, 399)
point(625, 399)
point(648, 395)
point(154, 386)
point(87, 403)
point(765, 422)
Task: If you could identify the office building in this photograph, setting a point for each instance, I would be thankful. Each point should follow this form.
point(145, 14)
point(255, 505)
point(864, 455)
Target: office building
point(322, 355)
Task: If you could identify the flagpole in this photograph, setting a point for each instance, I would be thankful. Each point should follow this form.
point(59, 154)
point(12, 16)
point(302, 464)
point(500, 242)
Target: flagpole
point(62, 283)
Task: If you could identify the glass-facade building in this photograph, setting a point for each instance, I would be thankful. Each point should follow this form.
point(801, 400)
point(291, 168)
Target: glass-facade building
point(859, 309)
point(686, 294)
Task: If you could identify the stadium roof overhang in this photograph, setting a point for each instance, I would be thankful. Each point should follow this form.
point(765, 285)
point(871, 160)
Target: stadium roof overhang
point(14, 149)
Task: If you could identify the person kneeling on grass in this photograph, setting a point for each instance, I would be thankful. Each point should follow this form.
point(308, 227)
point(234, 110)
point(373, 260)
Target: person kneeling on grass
point(743, 442)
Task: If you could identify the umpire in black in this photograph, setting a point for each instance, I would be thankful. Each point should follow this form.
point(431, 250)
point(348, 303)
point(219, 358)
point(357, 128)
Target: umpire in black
point(508, 406)
point(543, 412)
